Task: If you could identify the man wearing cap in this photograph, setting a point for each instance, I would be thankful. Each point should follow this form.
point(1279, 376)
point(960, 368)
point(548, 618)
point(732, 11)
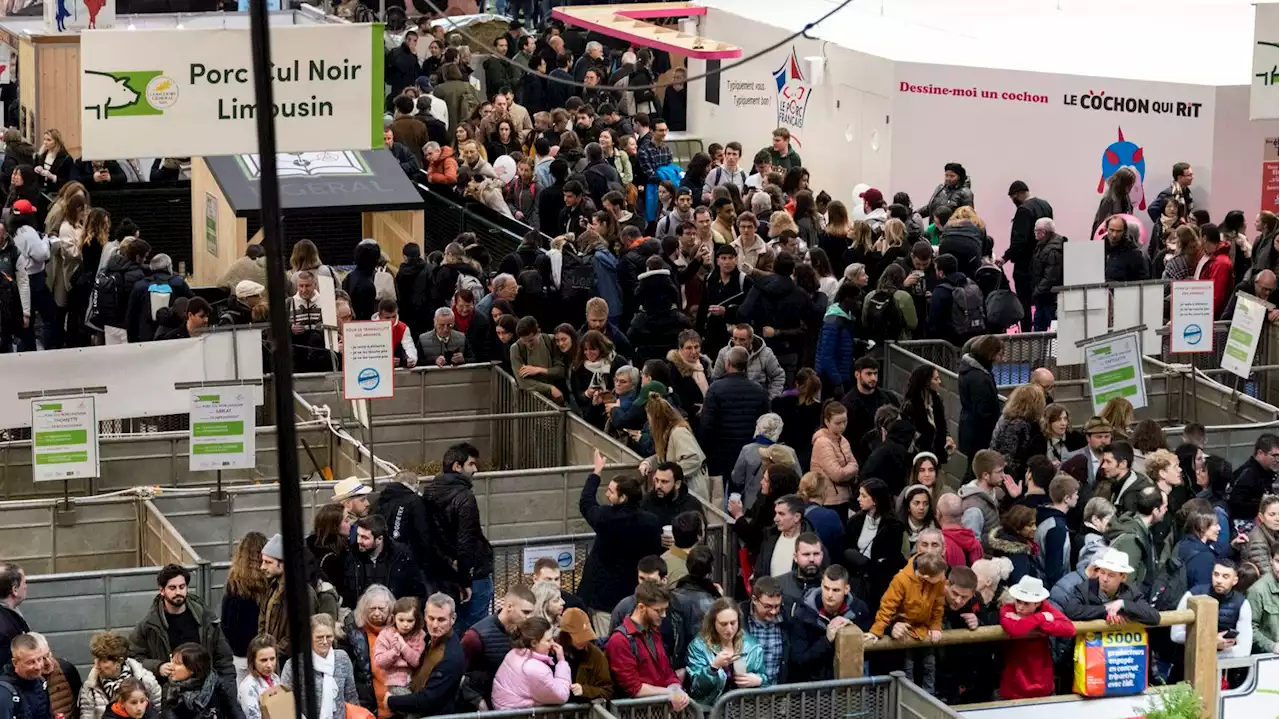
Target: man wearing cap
point(1104, 594)
point(1235, 615)
point(353, 494)
point(1085, 464)
point(1022, 242)
point(591, 679)
point(435, 682)
point(1028, 664)
point(877, 211)
point(248, 294)
point(33, 252)
point(272, 618)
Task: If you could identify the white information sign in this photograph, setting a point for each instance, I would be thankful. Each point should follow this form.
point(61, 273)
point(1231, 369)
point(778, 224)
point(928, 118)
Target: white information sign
point(1242, 338)
point(64, 439)
point(1191, 316)
point(564, 554)
point(1115, 370)
point(368, 362)
point(189, 92)
point(222, 429)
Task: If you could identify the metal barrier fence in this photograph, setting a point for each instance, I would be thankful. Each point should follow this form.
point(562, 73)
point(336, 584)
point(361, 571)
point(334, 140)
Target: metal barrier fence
point(450, 216)
point(864, 697)
point(107, 534)
point(161, 544)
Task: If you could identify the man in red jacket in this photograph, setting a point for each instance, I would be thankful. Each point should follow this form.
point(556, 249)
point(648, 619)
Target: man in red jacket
point(962, 548)
point(1215, 264)
point(636, 655)
point(1030, 620)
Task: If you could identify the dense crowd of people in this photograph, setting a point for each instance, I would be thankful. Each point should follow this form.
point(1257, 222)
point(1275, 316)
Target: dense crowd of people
point(718, 319)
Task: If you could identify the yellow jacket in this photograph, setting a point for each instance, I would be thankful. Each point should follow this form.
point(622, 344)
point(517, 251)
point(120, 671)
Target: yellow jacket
point(912, 600)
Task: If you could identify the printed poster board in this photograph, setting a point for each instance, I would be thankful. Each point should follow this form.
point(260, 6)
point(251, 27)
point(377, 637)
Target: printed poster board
point(1114, 365)
point(222, 429)
point(64, 439)
point(1191, 316)
point(368, 362)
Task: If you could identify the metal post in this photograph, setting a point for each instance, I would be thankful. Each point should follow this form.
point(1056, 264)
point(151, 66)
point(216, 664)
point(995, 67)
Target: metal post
point(296, 602)
point(373, 463)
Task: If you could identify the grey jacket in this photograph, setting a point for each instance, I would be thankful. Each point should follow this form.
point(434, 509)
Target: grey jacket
point(432, 347)
point(343, 676)
point(749, 469)
point(763, 367)
point(981, 513)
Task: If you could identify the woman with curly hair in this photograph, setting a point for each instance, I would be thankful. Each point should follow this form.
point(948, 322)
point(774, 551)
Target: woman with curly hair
point(1147, 437)
point(111, 667)
point(1019, 437)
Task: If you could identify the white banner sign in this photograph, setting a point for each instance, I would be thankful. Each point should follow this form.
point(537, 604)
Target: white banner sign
point(368, 362)
point(181, 93)
point(1191, 316)
point(1115, 370)
point(564, 554)
point(64, 439)
point(1263, 94)
point(1242, 338)
point(222, 429)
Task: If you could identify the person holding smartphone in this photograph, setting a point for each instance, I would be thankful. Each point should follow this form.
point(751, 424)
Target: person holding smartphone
point(723, 657)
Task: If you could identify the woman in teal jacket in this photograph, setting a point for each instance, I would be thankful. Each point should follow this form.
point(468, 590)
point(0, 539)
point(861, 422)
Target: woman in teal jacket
point(723, 657)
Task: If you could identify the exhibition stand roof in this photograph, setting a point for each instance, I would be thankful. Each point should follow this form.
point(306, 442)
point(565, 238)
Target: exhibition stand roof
point(366, 180)
point(1195, 42)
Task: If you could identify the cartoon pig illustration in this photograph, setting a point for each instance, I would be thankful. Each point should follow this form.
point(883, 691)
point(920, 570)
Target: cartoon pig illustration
point(101, 92)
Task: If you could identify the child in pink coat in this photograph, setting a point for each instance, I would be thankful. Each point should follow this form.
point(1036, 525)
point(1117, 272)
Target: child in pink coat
point(398, 651)
point(535, 672)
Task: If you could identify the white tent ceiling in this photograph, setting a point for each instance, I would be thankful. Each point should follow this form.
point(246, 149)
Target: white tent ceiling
point(1198, 42)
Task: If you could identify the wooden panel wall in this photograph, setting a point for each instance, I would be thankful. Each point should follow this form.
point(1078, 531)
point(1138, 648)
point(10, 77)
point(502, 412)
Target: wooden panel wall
point(49, 87)
point(207, 267)
point(393, 230)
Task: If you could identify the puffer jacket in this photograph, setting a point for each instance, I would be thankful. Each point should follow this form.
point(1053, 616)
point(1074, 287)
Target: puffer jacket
point(528, 679)
point(658, 322)
point(966, 242)
point(912, 600)
point(835, 348)
point(776, 301)
point(93, 701)
point(979, 406)
point(944, 195)
point(127, 273)
point(730, 409)
point(762, 366)
point(356, 644)
point(1046, 268)
point(833, 456)
point(457, 528)
point(359, 282)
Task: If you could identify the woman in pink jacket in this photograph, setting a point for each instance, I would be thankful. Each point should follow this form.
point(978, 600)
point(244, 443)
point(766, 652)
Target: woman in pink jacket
point(535, 672)
point(833, 457)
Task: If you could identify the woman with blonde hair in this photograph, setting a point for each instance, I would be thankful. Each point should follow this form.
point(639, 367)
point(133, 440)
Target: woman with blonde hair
point(548, 603)
point(862, 249)
point(826, 522)
point(1017, 435)
point(723, 654)
point(246, 586)
point(965, 237)
point(834, 238)
point(53, 162)
point(779, 222)
point(306, 256)
point(65, 227)
point(1118, 412)
point(673, 441)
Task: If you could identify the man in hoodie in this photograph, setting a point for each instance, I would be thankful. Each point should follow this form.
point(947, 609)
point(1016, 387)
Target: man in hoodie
point(782, 313)
point(1131, 534)
point(159, 289)
point(951, 280)
point(1028, 210)
point(961, 546)
point(1124, 262)
point(600, 175)
point(763, 367)
point(657, 324)
point(1052, 533)
point(408, 520)
point(980, 498)
point(456, 517)
point(1046, 273)
point(781, 155)
point(1179, 192)
point(808, 561)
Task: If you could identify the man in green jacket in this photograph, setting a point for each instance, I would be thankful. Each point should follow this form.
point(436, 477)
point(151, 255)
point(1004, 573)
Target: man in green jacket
point(1131, 534)
point(1264, 601)
point(781, 155)
point(176, 619)
point(535, 360)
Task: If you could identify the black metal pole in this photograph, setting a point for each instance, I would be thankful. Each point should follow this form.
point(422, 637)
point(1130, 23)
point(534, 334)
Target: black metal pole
point(296, 606)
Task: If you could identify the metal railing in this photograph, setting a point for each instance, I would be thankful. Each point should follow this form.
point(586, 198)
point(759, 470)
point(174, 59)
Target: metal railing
point(862, 697)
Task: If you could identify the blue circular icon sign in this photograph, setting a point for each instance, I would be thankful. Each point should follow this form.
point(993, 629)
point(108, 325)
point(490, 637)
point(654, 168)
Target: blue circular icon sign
point(565, 560)
point(369, 379)
point(1192, 334)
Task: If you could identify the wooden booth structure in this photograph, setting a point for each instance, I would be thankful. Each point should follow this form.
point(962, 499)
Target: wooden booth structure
point(335, 199)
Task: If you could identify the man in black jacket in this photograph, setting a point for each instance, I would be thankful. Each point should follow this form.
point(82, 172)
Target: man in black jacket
point(891, 461)
point(1256, 477)
point(1105, 594)
point(600, 175)
point(625, 534)
point(140, 315)
point(730, 408)
point(408, 522)
point(669, 496)
point(13, 590)
point(410, 268)
point(1046, 273)
point(863, 402)
point(456, 525)
point(783, 314)
point(1022, 242)
point(1125, 262)
point(377, 559)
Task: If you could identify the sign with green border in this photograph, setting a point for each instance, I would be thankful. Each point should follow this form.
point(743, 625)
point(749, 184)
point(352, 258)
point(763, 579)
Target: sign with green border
point(1114, 365)
point(64, 439)
point(222, 429)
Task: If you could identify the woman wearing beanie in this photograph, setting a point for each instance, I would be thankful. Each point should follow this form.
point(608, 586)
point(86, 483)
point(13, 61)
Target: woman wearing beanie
point(952, 193)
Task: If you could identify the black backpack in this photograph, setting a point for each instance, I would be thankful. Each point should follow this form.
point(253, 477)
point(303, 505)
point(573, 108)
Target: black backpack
point(968, 313)
point(1169, 584)
point(530, 281)
point(884, 319)
point(105, 300)
point(577, 278)
point(10, 305)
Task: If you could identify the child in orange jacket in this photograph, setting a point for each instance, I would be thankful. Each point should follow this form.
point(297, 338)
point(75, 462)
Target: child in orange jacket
point(1028, 662)
point(912, 609)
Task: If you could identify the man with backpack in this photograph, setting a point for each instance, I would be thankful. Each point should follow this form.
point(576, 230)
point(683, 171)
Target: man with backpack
point(956, 309)
point(727, 173)
point(1131, 534)
point(109, 304)
point(154, 292)
point(600, 175)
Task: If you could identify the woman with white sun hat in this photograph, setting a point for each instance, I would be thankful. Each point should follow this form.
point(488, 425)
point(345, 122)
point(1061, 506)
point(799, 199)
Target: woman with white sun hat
point(1030, 619)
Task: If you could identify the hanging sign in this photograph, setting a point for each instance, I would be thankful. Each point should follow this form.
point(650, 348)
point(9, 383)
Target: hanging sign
point(1191, 316)
point(222, 429)
point(368, 362)
point(64, 439)
point(1242, 338)
point(1114, 363)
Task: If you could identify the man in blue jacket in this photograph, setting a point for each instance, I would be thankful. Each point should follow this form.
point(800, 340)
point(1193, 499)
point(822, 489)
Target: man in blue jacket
point(1051, 527)
point(435, 682)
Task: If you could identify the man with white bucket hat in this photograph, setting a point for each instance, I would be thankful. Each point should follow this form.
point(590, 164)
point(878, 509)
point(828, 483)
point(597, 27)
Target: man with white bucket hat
point(353, 494)
point(1105, 595)
point(1031, 619)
